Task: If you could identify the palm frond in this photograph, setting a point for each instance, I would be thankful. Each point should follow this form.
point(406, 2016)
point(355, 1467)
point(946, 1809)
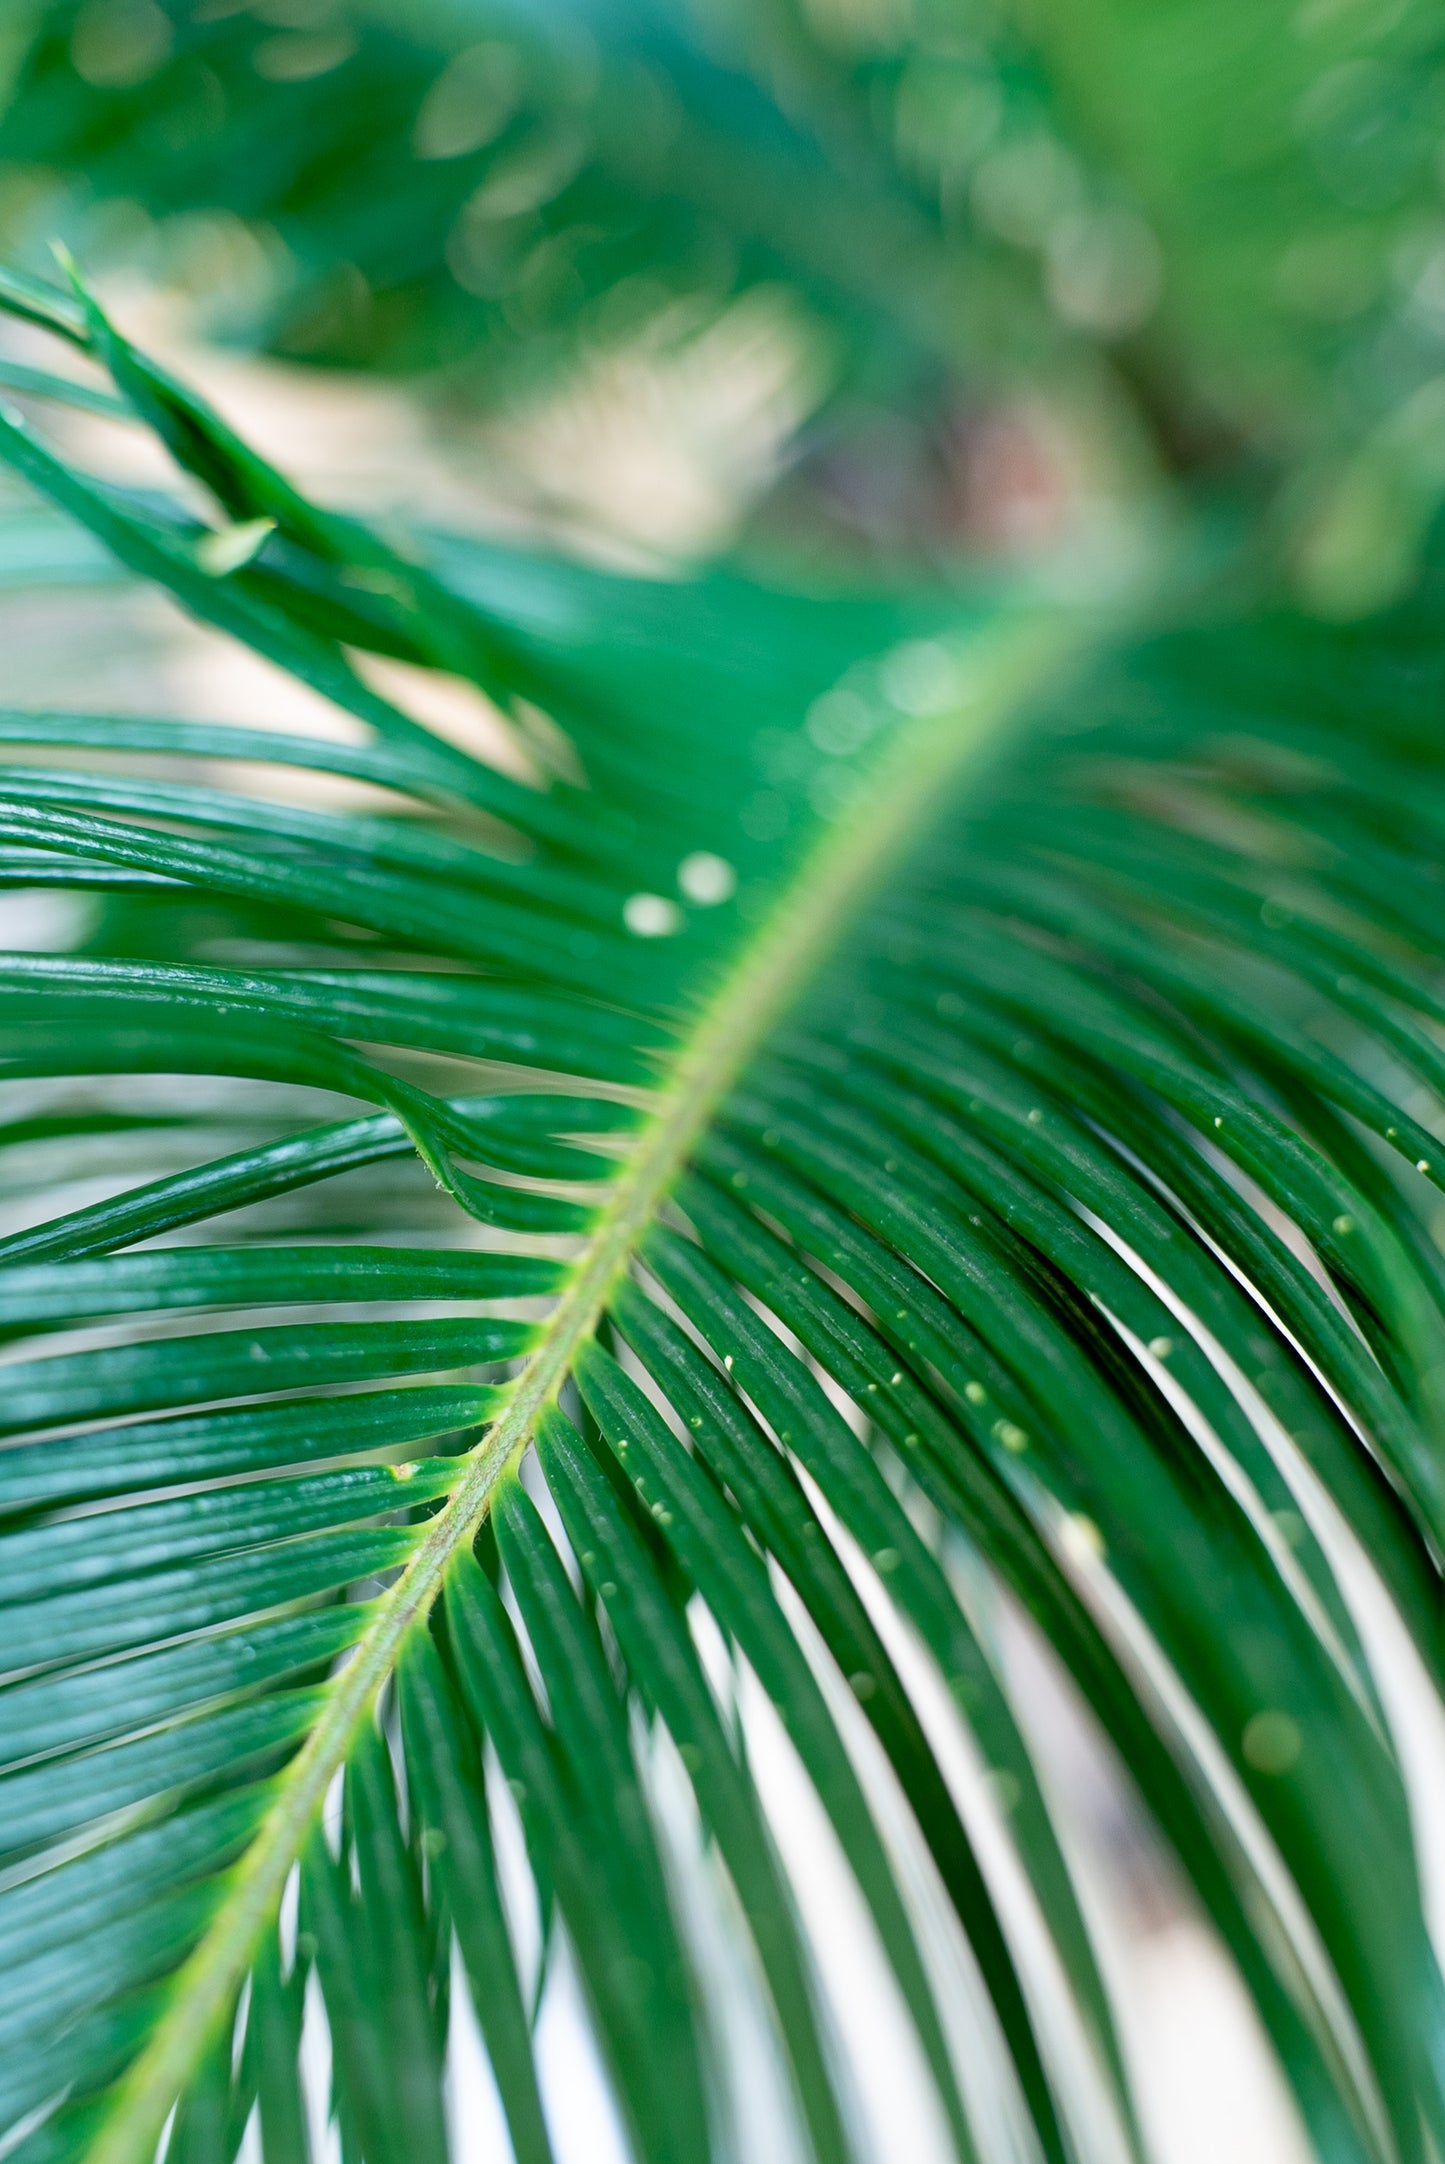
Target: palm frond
point(935, 1119)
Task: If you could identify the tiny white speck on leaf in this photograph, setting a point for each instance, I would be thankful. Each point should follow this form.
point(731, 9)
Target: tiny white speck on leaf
point(1271, 1742)
point(1081, 1540)
point(651, 916)
point(706, 878)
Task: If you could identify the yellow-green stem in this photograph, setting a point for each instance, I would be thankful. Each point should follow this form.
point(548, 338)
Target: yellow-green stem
point(922, 762)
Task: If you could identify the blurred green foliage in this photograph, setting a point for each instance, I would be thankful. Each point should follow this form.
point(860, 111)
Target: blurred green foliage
point(1219, 224)
point(457, 186)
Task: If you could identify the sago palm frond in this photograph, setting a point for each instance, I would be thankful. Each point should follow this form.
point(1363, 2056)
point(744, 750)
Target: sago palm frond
point(935, 1119)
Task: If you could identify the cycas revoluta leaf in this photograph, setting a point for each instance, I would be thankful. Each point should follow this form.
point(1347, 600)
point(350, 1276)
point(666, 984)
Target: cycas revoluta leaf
point(941, 1115)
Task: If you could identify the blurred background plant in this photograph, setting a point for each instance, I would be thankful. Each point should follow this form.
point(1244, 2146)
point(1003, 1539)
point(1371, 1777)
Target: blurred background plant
point(879, 279)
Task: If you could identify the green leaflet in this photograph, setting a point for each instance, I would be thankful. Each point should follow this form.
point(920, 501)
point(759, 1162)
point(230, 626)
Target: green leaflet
point(197, 1594)
point(615, 1908)
point(243, 1363)
point(247, 1276)
point(913, 1178)
point(735, 1587)
point(1202, 1546)
point(455, 1839)
point(869, 1371)
point(364, 1918)
point(644, 1612)
point(134, 1454)
point(84, 1705)
point(43, 1803)
point(274, 2037)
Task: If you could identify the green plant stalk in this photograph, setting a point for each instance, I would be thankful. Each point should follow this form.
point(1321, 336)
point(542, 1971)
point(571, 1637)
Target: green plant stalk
point(921, 765)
